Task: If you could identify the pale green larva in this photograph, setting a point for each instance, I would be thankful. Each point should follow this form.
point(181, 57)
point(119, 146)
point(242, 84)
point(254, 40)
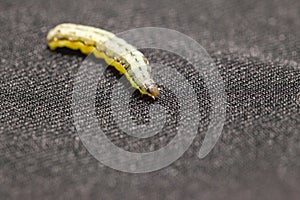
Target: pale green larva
point(115, 51)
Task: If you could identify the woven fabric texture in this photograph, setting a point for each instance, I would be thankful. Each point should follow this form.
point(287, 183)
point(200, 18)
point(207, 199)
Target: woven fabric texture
point(256, 48)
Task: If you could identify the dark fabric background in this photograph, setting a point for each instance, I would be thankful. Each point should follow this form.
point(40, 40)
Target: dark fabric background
point(256, 47)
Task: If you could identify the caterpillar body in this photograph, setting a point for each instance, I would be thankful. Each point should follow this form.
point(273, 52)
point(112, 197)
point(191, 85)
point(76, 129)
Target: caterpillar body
point(115, 51)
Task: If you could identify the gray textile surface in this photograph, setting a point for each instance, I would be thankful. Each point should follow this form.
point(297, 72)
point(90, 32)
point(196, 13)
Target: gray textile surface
point(256, 47)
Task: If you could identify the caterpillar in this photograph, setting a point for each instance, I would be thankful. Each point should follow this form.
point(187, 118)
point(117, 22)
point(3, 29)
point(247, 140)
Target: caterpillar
point(115, 51)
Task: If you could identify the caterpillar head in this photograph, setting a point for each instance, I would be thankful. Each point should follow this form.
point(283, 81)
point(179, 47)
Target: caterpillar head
point(153, 90)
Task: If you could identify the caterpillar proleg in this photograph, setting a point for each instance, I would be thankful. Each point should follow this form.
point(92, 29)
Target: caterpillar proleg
point(115, 51)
